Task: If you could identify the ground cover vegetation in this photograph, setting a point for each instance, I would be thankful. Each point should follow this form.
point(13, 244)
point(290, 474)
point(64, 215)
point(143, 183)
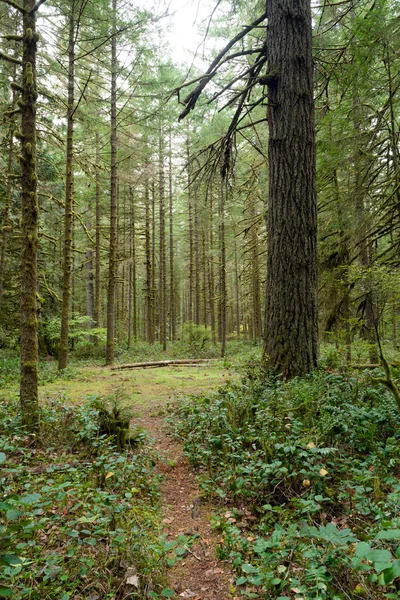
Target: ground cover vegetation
point(306, 477)
point(150, 210)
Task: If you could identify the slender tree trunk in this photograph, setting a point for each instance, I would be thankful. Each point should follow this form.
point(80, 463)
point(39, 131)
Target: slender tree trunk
point(197, 295)
point(255, 274)
point(211, 285)
point(149, 269)
point(113, 200)
point(97, 301)
point(153, 259)
point(172, 307)
point(237, 285)
point(190, 217)
point(29, 227)
point(133, 264)
point(222, 271)
point(163, 262)
point(6, 223)
point(69, 185)
point(89, 287)
point(291, 343)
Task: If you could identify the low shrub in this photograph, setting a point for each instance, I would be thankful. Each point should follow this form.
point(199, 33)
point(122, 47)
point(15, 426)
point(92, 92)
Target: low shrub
point(306, 474)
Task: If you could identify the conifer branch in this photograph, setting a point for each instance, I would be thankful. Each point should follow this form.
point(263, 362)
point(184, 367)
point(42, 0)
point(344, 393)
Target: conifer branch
point(15, 5)
point(11, 59)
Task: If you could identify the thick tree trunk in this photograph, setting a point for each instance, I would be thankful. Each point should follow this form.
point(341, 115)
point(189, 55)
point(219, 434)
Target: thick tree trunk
point(291, 344)
point(69, 185)
point(29, 227)
point(112, 267)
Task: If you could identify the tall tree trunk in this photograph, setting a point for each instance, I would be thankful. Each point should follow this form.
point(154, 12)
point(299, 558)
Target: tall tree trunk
point(112, 267)
point(69, 185)
point(255, 274)
point(190, 220)
point(237, 285)
point(153, 259)
point(163, 262)
point(172, 308)
point(29, 227)
point(196, 258)
point(89, 287)
point(291, 343)
point(222, 269)
point(97, 301)
point(6, 223)
point(149, 269)
point(132, 271)
point(211, 284)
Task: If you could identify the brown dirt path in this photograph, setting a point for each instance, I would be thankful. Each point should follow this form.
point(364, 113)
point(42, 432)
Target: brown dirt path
point(200, 576)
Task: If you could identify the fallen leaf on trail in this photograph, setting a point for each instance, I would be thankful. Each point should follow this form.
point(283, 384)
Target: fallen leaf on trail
point(109, 475)
point(188, 594)
point(134, 580)
point(311, 445)
point(168, 521)
point(323, 472)
point(306, 483)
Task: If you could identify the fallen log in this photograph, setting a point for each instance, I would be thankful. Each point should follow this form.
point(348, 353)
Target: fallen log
point(163, 363)
point(372, 366)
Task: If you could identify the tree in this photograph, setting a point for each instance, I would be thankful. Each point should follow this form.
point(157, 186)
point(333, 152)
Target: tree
point(291, 339)
point(291, 336)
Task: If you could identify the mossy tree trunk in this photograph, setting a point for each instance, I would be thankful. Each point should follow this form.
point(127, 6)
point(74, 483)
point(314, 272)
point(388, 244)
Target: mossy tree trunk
point(69, 186)
point(29, 226)
point(291, 342)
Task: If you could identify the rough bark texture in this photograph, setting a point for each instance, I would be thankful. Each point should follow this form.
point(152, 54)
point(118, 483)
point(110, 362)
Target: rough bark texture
point(97, 300)
point(69, 185)
point(291, 343)
point(112, 265)
point(29, 227)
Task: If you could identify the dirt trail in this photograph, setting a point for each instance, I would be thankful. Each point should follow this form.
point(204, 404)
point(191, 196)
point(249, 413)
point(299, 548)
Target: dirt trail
point(200, 576)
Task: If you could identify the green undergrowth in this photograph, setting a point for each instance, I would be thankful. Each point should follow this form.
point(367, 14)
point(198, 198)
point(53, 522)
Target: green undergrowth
point(78, 519)
point(306, 474)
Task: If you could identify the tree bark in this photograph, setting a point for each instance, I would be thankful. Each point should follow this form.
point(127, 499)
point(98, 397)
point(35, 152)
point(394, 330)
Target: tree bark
point(163, 262)
point(97, 300)
point(291, 343)
point(172, 307)
point(29, 402)
point(69, 186)
point(112, 266)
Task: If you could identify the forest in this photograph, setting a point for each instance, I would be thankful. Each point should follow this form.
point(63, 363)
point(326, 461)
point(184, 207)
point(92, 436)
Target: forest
point(199, 299)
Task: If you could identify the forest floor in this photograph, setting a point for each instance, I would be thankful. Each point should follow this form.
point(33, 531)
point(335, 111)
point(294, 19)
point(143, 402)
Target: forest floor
point(200, 575)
